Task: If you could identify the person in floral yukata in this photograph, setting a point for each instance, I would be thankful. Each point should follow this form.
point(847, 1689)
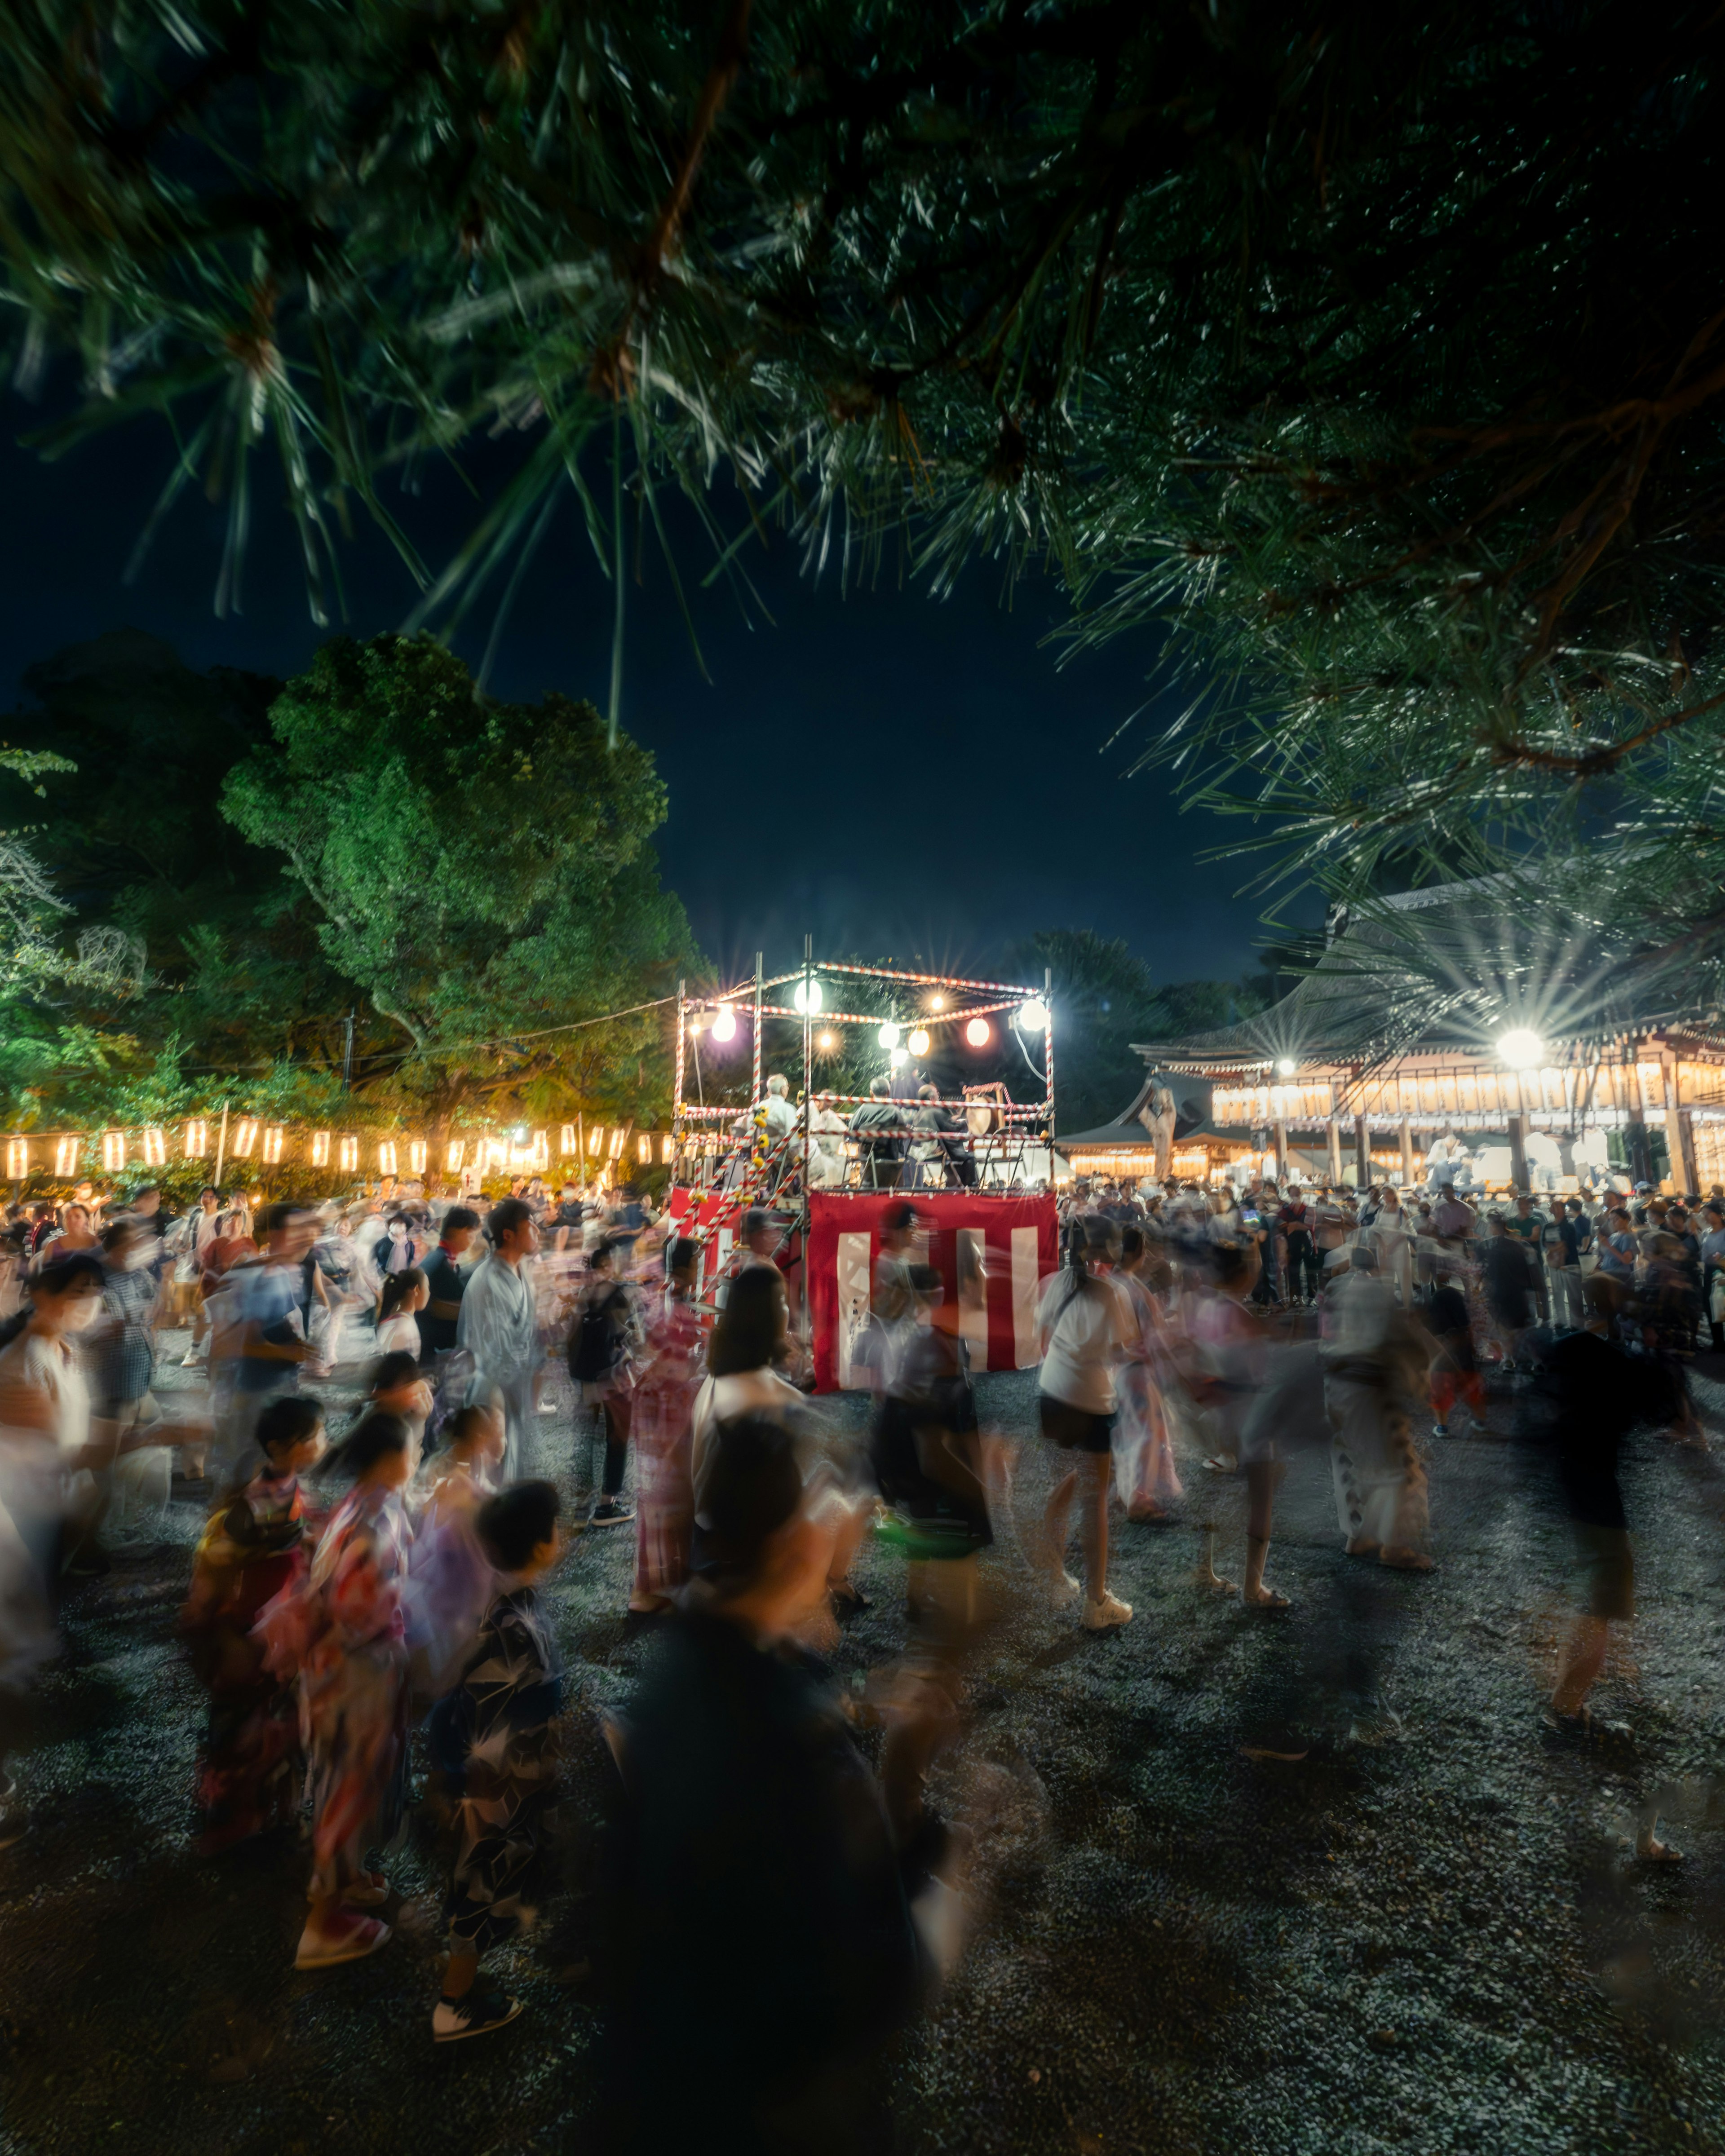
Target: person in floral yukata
point(495, 1730)
point(345, 1633)
point(253, 1549)
point(659, 1424)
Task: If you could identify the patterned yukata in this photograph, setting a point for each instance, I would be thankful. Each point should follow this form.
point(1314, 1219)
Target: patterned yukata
point(498, 1722)
point(1144, 1472)
point(353, 1684)
point(252, 1764)
point(660, 1425)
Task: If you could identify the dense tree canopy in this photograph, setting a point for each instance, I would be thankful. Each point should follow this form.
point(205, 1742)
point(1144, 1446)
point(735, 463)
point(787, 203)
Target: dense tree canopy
point(205, 875)
point(1378, 350)
point(482, 870)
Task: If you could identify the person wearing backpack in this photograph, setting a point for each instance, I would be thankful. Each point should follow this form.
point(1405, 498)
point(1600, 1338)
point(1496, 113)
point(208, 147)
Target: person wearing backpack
point(606, 1331)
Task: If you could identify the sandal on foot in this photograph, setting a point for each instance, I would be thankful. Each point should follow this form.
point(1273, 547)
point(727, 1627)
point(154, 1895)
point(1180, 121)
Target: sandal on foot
point(349, 1939)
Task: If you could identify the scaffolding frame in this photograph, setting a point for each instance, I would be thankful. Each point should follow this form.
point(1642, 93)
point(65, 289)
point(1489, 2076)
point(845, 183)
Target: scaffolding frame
point(775, 1171)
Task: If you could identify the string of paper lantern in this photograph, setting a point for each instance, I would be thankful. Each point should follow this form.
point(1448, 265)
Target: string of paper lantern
point(250, 1139)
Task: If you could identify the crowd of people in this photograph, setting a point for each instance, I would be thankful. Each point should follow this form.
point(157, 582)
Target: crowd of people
point(364, 1610)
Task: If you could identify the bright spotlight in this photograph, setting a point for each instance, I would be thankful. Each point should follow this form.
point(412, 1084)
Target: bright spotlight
point(1520, 1048)
point(1286, 1066)
point(1033, 1016)
point(919, 1042)
point(936, 1002)
point(725, 1025)
point(826, 1042)
point(806, 996)
point(979, 1032)
point(889, 1035)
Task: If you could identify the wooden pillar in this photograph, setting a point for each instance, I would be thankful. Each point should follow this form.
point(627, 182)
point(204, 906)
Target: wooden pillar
point(1362, 1152)
point(1281, 1153)
point(1518, 1151)
point(1407, 1154)
point(1679, 1132)
point(1635, 1135)
point(1335, 1138)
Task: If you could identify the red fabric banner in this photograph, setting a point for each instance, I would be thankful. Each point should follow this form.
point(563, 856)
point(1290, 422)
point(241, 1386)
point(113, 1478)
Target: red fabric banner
point(995, 1252)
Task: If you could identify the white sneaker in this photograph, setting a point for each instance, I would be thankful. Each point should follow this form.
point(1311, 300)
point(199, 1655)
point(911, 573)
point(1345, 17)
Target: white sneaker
point(1108, 1615)
point(1063, 1590)
point(192, 1359)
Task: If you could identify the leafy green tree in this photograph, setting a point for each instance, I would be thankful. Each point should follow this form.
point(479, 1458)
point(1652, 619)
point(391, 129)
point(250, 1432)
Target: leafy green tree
point(483, 871)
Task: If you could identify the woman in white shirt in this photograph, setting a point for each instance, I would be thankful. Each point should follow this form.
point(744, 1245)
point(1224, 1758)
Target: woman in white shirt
point(400, 1300)
point(1085, 1328)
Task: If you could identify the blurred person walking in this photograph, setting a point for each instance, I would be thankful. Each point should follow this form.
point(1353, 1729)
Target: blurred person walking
point(1084, 1326)
point(499, 1327)
point(661, 1413)
point(1374, 1358)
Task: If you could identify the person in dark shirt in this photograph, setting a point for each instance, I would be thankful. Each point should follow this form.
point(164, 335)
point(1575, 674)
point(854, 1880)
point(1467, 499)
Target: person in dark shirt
point(446, 1278)
point(761, 1947)
point(1455, 1373)
point(931, 1118)
point(1597, 1398)
point(1508, 1285)
point(878, 1127)
point(1303, 1272)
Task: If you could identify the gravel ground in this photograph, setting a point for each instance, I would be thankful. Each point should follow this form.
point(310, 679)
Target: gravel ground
point(1428, 1935)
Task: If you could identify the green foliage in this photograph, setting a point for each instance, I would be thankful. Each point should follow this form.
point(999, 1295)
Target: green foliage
point(483, 871)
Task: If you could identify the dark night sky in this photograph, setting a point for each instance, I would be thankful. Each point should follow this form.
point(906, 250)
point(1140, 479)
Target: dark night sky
point(797, 802)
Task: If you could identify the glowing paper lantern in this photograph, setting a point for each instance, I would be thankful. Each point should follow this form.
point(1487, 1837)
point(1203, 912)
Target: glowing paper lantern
point(197, 1141)
point(17, 1158)
point(245, 1140)
point(616, 1138)
point(888, 1035)
point(644, 1148)
point(113, 1151)
point(155, 1149)
point(569, 1144)
point(348, 1156)
point(725, 1025)
point(274, 1138)
point(417, 1156)
point(496, 1153)
point(1033, 1016)
point(668, 1151)
point(807, 996)
point(540, 1156)
point(596, 1138)
point(319, 1149)
point(65, 1155)
point(919, 1041)
point(979, 1032)
point(386, 1156)
point(455, 1154)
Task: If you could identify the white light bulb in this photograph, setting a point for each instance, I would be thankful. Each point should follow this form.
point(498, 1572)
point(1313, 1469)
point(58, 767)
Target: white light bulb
point(1520, 1048)
point(1286, 1066)
point(1033, 1016)
point(725, 1025)
point(889, 1035)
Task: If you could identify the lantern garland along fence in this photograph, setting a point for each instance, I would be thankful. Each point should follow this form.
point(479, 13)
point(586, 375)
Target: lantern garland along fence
point(253, 1148)
point(715, 1176)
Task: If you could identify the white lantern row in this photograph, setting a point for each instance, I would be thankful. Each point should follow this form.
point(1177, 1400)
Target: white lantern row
point(251, 1139)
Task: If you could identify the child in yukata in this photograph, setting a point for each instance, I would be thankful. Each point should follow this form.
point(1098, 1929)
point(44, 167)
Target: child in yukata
point(256, 1544)
point(450, 1580)
point(495, 1730)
